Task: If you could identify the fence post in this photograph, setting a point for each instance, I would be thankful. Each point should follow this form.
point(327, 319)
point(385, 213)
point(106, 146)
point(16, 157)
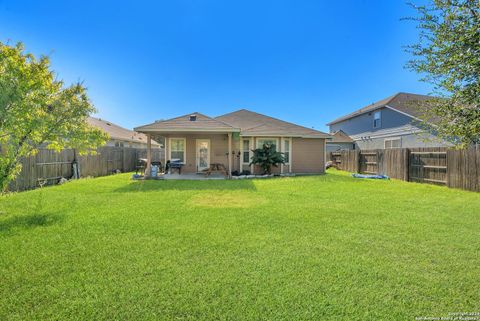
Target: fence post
point(406, 175)
point(380, 162)
point(357, 161)
point(123, 159)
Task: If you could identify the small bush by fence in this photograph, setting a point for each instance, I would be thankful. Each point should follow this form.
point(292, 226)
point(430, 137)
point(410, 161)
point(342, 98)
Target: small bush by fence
point(48, 166)
point(453, 168)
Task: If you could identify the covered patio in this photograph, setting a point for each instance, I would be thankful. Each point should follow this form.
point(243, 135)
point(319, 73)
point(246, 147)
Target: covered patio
point(196, 147)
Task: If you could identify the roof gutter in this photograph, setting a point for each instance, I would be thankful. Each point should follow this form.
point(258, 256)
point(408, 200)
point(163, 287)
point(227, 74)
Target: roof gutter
point(287, 135)
point(188, 130)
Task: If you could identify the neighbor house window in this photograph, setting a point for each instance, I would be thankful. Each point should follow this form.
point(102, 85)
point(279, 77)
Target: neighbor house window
point(393, 143)
point(177, 149)
point(118, 144)
point(286, 149)
point(246, 151)
point(268, 141)
point(377, 119)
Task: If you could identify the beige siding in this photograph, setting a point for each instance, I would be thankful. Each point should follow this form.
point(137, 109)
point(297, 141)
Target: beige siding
point(218, 150)
point(308, 155)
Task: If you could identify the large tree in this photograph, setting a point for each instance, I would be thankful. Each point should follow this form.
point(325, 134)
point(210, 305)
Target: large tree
point(37, 110)
point(447, 55)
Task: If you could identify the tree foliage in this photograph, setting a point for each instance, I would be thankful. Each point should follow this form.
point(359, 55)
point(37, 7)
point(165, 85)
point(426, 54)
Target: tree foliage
point(37, 110)
point(266, 157)
point(447, 55)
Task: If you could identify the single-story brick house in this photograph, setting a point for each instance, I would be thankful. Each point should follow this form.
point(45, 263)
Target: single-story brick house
point(340, 141)
point(199, 140)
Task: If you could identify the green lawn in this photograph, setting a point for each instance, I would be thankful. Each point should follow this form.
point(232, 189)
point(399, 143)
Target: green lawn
point(325, 248)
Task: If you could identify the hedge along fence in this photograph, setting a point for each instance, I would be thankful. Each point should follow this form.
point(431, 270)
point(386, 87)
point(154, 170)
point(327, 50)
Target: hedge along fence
point(453, 168)
point(48, 167)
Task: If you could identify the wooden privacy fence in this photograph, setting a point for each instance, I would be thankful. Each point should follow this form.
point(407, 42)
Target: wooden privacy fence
point(48, 167)
point(453, 168)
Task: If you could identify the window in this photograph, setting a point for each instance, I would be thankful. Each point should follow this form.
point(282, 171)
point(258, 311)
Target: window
point(377, 119)
point(118, 144)
point(177, 149)
point(246, 151)
point(393, 143)
point(286, 150)
point(269, 141)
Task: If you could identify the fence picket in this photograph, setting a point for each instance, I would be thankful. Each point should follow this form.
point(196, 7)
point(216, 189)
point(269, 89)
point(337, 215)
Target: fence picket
point(50, 165)
point(453, 168)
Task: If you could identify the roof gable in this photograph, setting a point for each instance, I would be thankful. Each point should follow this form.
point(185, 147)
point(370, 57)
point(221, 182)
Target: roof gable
point(340, 137)
point(252, 123)
point(404, 103)
point(189, 122)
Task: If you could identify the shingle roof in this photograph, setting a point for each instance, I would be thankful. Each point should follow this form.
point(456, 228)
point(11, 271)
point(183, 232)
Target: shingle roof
point(117, 132)
point(403, 102)
point(255, 124)
point(184, 123)
point(340, 137)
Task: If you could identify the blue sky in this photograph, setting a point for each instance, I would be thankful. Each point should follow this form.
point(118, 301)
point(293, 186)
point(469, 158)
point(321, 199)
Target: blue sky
point(303, 61)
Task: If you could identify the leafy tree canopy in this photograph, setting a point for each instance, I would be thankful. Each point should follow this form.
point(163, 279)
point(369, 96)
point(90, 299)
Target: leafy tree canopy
point(447, 55)
point(37, 110)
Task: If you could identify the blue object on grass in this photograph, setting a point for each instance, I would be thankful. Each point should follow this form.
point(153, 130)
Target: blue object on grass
point(370, 176)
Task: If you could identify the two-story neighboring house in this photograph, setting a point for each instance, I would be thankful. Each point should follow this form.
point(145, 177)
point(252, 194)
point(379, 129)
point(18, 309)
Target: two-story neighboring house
point(389, 123)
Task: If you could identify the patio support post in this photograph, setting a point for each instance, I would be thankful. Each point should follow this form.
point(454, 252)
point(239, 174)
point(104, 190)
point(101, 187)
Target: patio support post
point(165, 150)
point(149, 155)
point(280, 149)
point(291, 157)
point(252, 167)
point(229, 154)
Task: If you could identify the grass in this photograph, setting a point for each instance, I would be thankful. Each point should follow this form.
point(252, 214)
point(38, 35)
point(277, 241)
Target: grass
point(323, 248)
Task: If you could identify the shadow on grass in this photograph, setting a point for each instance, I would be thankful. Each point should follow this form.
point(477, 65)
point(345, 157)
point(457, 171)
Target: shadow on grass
point(185, 185)
point(29, 221)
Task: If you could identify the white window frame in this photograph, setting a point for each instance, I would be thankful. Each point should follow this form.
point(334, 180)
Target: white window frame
point(378, 112)
point(170, 145)
point(249, 150)
point(266, 138)
point(392, 139)
point(289, 149)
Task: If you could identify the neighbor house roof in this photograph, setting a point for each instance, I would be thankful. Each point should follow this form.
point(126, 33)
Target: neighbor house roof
point(405, 103)
point(189, 122)
point(119, 133)
point(255, 124)
point(340, 137)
